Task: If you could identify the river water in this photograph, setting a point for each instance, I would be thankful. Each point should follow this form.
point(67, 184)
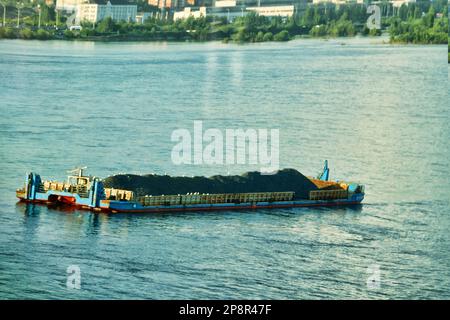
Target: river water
point(379, 113)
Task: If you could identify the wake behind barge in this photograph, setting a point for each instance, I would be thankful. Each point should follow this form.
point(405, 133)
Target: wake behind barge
point(87, 192)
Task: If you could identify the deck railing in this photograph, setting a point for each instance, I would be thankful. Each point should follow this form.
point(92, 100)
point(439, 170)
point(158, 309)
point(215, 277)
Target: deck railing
point(197, 198)
point(328, 194)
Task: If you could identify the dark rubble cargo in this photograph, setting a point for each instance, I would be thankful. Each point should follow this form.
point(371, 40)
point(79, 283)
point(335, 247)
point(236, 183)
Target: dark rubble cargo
point(283, 180)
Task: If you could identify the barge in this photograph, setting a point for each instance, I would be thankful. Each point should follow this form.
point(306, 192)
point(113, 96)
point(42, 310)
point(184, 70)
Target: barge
point(285, 189)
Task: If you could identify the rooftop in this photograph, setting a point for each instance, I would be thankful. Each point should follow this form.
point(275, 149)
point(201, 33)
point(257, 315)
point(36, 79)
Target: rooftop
point(113, 2)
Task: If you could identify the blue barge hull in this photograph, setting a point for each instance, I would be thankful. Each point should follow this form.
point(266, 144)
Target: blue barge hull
point(117, 207)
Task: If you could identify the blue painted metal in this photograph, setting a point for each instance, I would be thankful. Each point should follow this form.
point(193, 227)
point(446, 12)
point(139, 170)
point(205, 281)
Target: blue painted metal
point(353, 187)
point(126, 206)
point(96, 193)
point(325, 173)
point(32, 185)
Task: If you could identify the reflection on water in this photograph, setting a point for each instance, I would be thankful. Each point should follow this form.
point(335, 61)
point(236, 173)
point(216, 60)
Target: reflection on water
point(71, 220)
point(236, 66)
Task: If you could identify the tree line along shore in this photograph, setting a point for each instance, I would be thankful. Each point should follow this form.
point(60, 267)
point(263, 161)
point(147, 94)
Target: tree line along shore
point(418, 23)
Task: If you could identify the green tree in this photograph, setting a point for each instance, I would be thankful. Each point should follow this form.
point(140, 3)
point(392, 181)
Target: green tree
point(417, 13)
point(308, 17)
point(403, 12)
point(42, 34)
point(319, 31)
point(281, 36)
point(7, 33)
point(259, 37)
point(317, 18)
point(268, 36)
point(69, 34)
point(86, 32)
point(330, 12)
point(428, 19)
point(107, 25)
point(47, 14)
point(26, 33)
point(240, 35)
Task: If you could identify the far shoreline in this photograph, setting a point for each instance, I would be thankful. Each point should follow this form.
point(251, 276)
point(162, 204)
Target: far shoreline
point(376, 40)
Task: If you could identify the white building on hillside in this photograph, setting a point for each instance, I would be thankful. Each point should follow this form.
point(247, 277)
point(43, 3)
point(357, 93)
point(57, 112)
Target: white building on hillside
point(187, 12)
point(225, 3)
point(274, 11)
point(68, 5)
point(97, 12)
point(399, 3)
point(329, 1)
point(232, 12)
point(338, 2)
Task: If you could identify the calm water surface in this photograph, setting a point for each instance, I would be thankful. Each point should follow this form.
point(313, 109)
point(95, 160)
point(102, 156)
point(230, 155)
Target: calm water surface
point(378, 113)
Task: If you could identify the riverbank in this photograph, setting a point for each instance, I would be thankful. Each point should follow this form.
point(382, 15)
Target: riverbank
point(250, 28)
point(410, 26)
point(242, 36)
